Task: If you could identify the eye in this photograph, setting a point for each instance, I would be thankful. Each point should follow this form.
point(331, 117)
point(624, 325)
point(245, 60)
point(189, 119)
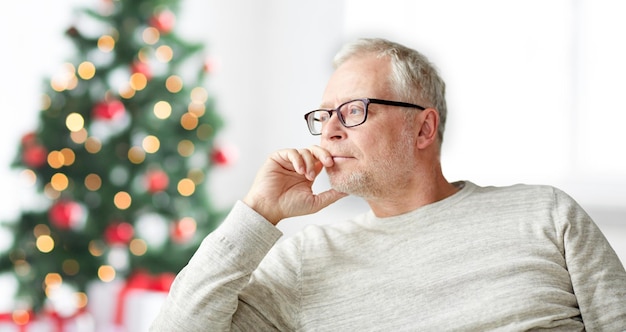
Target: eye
point(354, 109)
point(322, 116)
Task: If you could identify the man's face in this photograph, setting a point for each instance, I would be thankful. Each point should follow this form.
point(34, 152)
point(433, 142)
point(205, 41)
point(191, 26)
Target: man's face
point(375, 158)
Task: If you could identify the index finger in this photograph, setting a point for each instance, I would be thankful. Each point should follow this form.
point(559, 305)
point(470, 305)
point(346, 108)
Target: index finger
point(322, 155)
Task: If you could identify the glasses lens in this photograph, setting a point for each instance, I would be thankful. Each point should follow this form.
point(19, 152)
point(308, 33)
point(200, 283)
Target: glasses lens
point(315, 120)
point(353, 113)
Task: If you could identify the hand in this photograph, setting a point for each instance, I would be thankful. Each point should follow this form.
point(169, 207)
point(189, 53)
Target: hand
point(282, 187)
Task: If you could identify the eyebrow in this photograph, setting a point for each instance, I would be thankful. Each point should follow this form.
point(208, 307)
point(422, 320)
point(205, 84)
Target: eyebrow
point(322, 106)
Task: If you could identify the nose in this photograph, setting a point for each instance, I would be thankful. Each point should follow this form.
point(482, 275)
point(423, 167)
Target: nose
point(333, 129)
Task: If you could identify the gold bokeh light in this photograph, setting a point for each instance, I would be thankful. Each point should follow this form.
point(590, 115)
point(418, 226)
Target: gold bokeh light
point(151, 144)
point(196, 108)
point(56, 159)
point(126, 91)
point(40, 230)
point(82, 300)
point(96, 248)
point(136, 155)
point(74, 122)
point(189, 121)
point(20, 317)
point(65, 79)
point(50, 192)
point(106, 43)
point(86, 70)
point(45, 243)
point(151, 35)
point(79, 136)
point(162, 110)
point(174, 84)
point(164, 53)
point(93, 145)
point(144, 54)
point(29, 176)
point(138, 247)
point(106, 273)
point(138, 81)
point(122, 200)
point(45, 102)
point(68, 156)
point(59, 181)
point(199, 95)
point(186, 187)
point(53, 280)
point(93, 182)
point(185, 148)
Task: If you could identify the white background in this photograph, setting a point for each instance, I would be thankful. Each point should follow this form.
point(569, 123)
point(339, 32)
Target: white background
point(535, 87)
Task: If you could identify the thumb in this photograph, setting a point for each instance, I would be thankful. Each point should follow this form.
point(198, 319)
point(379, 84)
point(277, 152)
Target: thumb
point(327, 198)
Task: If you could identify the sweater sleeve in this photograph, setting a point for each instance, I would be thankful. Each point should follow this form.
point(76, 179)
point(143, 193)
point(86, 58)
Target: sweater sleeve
point(597, 275)
point(205, 294)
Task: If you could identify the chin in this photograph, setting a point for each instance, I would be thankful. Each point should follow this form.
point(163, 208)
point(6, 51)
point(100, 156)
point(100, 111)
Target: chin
point(355, 184)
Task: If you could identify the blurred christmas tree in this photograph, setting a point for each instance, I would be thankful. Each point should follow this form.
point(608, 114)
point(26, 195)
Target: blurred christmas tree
point(120, 156)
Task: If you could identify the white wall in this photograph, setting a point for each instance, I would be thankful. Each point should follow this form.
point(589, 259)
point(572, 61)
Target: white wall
point(32, 46)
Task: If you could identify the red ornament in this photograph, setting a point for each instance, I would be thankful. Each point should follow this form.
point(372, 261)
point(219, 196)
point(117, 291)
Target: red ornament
point(183, 230)
point(224, 155)
point(29, 139)
point(141, 279)
point(209, 65)
point(141, 68)
point(163, 21)
point(156, 181)
point(66, 214)
point(34, 155)
point(109, 110)
point(163, 282)
point(119, 233)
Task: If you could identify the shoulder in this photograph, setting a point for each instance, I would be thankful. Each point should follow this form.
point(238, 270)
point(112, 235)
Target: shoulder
point(522, 193)
point(519, 189)
point(531, 199)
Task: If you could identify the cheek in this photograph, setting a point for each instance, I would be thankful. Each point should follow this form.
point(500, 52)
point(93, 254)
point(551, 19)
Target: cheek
point(374, 149)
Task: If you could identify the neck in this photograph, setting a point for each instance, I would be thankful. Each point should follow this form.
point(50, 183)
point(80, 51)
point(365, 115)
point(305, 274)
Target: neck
point(422, 189)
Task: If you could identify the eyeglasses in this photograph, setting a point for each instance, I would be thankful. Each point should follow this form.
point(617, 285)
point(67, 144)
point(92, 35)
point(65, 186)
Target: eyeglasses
point(351, 113)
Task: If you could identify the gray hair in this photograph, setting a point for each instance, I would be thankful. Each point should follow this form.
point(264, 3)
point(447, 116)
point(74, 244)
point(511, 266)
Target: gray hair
point(413, 77)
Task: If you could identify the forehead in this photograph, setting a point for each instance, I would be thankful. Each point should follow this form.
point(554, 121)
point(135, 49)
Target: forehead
point(358, 77)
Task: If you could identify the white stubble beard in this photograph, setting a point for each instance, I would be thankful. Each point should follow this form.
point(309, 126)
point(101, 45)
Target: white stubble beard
point(382, 175)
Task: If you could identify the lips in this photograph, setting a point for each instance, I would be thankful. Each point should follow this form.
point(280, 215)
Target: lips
point(339, 154)
point(341, 158)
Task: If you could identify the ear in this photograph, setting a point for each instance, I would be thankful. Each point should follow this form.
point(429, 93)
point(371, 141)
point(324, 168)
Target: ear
point(428, 129)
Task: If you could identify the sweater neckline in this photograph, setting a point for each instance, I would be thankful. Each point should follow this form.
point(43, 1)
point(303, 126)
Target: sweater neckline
point(466, 188)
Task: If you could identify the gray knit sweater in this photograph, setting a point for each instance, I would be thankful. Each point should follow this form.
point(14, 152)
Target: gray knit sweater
point(485, 259)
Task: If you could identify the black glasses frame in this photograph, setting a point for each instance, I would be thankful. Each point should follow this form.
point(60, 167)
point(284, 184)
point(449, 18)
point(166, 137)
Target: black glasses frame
point(366, 101)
